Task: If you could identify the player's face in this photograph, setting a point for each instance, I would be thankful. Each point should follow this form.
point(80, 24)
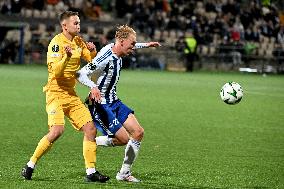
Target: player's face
point(129, 44)
point(72, 25)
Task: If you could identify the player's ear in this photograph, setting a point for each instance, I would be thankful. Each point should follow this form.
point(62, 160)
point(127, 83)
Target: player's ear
point(63, 23)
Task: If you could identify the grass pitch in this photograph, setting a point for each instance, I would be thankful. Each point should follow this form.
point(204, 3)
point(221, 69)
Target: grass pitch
point(192, 139)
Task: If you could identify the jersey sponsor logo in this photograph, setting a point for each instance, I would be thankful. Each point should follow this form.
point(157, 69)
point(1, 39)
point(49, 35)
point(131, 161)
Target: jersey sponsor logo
point(55, 48)
point(79, 49)
point(53, 55)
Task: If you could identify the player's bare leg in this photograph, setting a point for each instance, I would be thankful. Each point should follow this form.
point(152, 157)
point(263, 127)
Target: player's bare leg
point(120, 138)
point(136, 133)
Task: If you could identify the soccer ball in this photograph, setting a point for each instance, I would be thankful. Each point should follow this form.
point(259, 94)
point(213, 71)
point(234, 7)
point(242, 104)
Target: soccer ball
point(231, 93)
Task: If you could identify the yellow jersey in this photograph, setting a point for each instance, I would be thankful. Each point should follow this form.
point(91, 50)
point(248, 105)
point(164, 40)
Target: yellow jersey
point(61, 68)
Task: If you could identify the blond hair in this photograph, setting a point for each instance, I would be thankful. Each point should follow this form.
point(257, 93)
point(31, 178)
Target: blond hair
point(123, 31)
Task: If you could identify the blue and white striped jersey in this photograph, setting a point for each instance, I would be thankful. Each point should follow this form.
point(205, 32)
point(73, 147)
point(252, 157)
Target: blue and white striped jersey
point(103, 72)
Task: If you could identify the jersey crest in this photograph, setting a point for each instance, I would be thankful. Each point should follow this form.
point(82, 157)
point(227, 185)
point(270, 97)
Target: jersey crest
point(55, 48)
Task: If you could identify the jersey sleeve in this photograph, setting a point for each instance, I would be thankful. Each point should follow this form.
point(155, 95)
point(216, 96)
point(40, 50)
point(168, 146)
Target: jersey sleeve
point(98, 63)
point(56, 57)
point(87, 55)
point(141, 45)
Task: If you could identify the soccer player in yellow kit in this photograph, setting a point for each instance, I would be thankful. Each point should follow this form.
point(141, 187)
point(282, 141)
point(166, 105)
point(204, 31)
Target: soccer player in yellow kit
point(63, 60)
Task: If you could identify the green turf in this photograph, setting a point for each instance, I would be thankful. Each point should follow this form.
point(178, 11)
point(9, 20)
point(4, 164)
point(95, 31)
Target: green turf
point(192, 139)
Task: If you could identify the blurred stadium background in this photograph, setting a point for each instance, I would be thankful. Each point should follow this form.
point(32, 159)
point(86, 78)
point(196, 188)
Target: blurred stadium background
point(231, 34)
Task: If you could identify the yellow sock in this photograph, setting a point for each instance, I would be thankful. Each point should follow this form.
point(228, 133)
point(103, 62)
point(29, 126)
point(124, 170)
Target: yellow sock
point(43, 146)
point(89, 153)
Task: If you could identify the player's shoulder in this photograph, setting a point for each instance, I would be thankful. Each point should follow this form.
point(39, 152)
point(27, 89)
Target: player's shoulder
point(55, 44)
point(106, 50)
point(57, 39)
point(104, 54)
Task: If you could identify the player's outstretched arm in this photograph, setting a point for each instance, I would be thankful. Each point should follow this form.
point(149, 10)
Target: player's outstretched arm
point(153, 44)
point(146, 45)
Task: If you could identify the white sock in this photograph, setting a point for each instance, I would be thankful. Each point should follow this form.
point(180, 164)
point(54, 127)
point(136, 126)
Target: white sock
point(90, 171)
point(31, 164)
point(104, 141)
point(131, 153)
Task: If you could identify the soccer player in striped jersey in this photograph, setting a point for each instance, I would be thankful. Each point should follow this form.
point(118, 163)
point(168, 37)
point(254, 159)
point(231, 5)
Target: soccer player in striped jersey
point(113, 118)
point(63, 60)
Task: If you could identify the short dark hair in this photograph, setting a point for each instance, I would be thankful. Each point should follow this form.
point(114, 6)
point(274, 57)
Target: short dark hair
point(67, 14)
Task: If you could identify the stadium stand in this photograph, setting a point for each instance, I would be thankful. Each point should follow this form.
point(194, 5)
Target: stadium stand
point(224, 29)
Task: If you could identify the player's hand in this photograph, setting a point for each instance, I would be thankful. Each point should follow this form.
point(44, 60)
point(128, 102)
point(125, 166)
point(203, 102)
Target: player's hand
point(96, 94)
point(91, 46)
point(68, 50)
point(154, 44)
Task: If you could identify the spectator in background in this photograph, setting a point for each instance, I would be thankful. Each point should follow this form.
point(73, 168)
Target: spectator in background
point(190, 50)
point(232, 7)
point(76, 6)
point(249, 49)
point(254, 10)
point(38, 4)
point(5, 7)
point(237, 50)
point(180, 46)
point(278, 52)
point(92, 10)
point(223, 49)
point(52, 2)
point(160, 23)
point(8, 51)
point(210, 6)
point(172, 25)
point(140, 18)
point(252, 34)
point(11, 6)
point(238, 27)
point(122, 7)
point(267, 28)
point(280, 36)
point(255, 34)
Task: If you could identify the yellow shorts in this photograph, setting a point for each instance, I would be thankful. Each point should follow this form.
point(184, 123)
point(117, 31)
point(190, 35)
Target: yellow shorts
point(68, 104)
